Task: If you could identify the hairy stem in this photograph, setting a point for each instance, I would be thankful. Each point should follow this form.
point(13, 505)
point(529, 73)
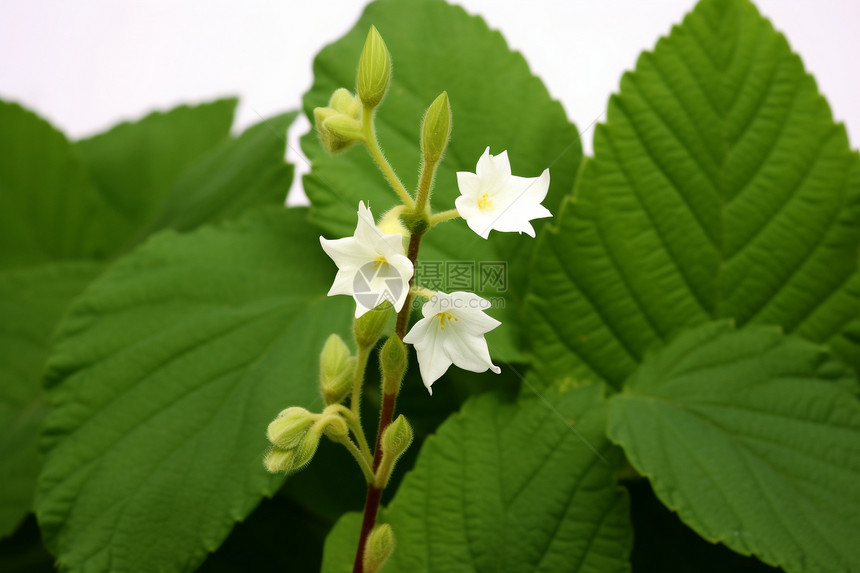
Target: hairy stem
point(428, 170)
point(363, 461)
point(443, 216)
point(372, 145)
point(386, 415)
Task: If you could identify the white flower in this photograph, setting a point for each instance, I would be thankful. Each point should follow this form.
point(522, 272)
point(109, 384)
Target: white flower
point(452, 332)
point(372, 265)
point(492, 198)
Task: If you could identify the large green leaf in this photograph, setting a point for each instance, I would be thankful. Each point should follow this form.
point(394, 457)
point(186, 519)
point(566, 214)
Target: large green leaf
point(165, 375)
point(240, 174)
point(31, 301)
point(135, 164)
point(50, 211)
point(720, 187)
point(496, 102)
point(749, 437)
point(507, 487)
point(56, 231)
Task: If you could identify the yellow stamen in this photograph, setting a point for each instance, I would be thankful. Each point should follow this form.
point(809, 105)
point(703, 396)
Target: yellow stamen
point(379, 261)
point(443, 316)
point(485, 202)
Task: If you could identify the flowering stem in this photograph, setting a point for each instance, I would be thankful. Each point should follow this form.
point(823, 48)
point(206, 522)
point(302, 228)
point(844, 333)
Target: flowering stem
point(372, 145)
point(403, 315)
point(428, 170)
point(443, 216)
point(386, 415)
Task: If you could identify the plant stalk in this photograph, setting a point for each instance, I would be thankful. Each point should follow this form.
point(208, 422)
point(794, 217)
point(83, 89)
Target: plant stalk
point(386, 415)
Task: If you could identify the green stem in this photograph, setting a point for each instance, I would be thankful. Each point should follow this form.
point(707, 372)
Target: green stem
point(363, 461)
point(355, 401)
point(358, 380)
point(443, 216)
point(354, 424)
point(372, 145)
point(428, 170)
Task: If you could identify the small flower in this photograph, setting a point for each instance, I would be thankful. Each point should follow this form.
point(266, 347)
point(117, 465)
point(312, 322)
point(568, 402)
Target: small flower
point(372, 266)
point(492, 198)
point(452, 332)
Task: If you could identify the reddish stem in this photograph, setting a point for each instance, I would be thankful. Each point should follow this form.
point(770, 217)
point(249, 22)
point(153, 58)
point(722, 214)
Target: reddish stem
point(386, 415)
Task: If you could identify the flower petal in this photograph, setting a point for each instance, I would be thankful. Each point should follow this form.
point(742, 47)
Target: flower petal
point(433, 361)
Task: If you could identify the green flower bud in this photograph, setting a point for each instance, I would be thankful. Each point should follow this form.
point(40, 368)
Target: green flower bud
point(396, 438)
point(337, 131)
point(393, 361)
point(390, 223)
point(337, 369)
point(306, 449)
point(343, 127)
point(436, 129)
point(335, 427)
point(378, 548)
point(374, 70)
point(342, 101)
point(321, 114)
point(279, 460)
point(395, 441)
point(370, 326)
point(288, 429)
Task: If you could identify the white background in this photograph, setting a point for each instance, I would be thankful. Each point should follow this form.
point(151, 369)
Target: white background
point(88, 64)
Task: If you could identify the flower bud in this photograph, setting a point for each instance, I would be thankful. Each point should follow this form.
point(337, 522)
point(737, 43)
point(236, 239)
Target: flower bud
point(370, 326)
point(279, 460)
point(337, 369)
point(395, 441)
point(378, 548)
point(337, 131)
point(342, 101)
point(306, 449)
point(374, 70)
point(288, 429)
point(390, 223)
point(396, 438)
point(335, 427)
point(436, 129)
point(393, 361)
point(343, 127)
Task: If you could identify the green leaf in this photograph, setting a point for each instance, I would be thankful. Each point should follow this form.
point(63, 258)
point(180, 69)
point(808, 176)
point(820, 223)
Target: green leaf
point(240, 174)
point(166, 372)
point(507, 487)
point(745, 434)
point(662, 542)
point(56, 231)
point(135, 164)
point(720, 187)
point(50, 211)
point(31, 303)
point(496, 102)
